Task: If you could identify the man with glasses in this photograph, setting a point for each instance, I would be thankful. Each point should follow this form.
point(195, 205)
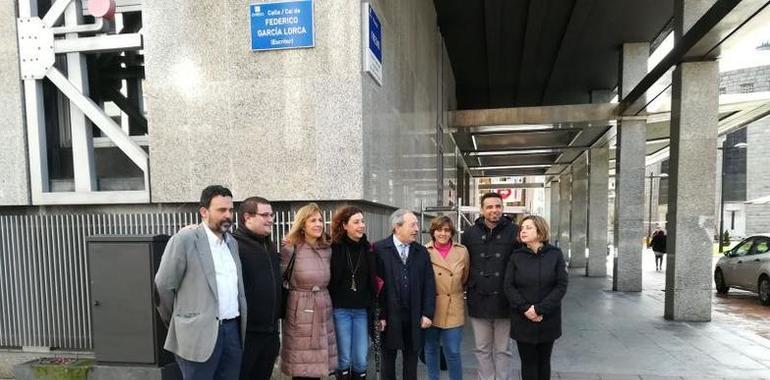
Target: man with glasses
point(262, 283)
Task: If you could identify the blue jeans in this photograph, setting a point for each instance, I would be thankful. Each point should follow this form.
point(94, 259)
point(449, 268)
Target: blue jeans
point(350, 325)
point(225, 361)
point(450, 343)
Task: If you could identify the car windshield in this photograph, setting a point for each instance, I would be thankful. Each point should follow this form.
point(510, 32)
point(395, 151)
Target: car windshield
point(743, 248)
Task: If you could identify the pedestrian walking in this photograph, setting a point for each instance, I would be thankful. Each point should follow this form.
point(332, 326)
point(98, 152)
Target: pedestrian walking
point(658, 245)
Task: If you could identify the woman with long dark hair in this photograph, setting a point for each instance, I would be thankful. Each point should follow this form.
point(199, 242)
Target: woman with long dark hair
point(352, 289)
point(658, 245)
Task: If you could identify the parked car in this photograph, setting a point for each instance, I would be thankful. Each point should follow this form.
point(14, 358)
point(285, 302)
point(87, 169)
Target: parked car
point(746, 266)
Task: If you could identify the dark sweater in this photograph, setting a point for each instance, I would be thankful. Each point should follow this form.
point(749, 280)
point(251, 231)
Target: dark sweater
point(345, 255)
point(261, 280)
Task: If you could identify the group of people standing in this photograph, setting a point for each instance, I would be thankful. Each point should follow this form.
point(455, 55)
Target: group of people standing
point(224, 295)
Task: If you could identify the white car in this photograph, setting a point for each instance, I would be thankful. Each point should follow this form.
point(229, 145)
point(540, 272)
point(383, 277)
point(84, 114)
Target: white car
point(746, 266)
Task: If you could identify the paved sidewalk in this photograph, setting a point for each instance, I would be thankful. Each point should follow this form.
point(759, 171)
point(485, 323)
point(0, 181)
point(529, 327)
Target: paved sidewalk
point(611, 335)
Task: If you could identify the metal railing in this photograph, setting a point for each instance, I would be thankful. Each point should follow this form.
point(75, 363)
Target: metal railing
point(44, 292)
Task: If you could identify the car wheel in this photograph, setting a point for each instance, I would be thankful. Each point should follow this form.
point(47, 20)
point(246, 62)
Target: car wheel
point(764, 290)
point(719, 280)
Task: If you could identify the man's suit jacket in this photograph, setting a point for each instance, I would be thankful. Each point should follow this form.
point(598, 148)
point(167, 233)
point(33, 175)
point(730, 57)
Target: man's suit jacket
point(422, 290)
point(187, 287)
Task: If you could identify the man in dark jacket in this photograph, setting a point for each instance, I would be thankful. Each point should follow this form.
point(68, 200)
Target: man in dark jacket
point(408, 297)
point(262, 284)
point(490, 242)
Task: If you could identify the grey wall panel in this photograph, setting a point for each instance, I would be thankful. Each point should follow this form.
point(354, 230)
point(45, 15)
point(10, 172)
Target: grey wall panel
point(44, 293)
point(14, 181)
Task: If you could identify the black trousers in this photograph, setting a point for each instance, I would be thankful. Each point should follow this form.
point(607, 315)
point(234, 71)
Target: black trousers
point(259, 355)
point(408, 356)
point(535, 360)
point(409, 370)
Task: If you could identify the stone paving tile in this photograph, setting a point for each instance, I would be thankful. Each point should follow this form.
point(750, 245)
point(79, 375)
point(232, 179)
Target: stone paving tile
point(578, 376)
point(619, 377)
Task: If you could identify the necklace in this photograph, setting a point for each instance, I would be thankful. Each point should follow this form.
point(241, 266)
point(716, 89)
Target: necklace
point(353, 270)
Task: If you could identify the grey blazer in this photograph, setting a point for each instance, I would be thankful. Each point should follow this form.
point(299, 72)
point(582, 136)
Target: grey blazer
point(187, 288)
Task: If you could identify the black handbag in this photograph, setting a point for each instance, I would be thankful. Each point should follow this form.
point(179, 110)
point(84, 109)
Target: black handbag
point(287, 282)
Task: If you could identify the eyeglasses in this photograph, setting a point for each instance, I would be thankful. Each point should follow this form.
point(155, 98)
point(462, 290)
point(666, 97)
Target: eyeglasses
point(266, 215)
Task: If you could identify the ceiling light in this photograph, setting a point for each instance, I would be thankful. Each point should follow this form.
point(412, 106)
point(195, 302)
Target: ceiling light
point(541, 166)
point(511, 128)
point(509, 152)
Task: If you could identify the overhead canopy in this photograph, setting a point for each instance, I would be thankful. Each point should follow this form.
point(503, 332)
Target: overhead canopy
point(525, 72)
point(516, 53)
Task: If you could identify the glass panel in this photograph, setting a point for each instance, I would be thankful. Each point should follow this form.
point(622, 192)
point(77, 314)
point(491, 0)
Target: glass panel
point(743, 248)
point(762, 246)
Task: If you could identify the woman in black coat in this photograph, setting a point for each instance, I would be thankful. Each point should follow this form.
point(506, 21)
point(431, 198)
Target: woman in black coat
point(535, 283)
point(658, 245)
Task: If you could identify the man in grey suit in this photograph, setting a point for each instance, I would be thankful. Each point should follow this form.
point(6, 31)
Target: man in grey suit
point(200, 287)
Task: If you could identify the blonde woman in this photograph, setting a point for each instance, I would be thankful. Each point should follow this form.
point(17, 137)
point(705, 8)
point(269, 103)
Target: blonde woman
point(309, 348)
point(450, 267)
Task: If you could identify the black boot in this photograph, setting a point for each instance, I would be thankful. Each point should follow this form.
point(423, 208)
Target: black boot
point(343, 374)
point(359, 376)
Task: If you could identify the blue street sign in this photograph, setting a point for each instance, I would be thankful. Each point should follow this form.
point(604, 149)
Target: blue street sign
point(375, 35)
point(282, 25)
point(372, 41)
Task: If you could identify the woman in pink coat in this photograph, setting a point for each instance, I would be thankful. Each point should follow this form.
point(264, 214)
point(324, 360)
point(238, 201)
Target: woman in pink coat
point(309, 347)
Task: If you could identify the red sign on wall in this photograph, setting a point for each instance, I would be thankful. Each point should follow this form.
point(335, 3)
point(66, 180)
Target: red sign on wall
point(504, 193)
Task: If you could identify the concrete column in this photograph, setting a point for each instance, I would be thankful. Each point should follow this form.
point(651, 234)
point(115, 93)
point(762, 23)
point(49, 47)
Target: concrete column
point(629, 189)
point(565, 194)
point(553, 217)
point(651, 197)
point(598, 210)
point(546, 202)
point(579, 206)
point(692, 188)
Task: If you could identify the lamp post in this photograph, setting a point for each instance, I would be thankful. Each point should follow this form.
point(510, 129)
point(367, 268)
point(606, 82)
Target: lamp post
point(724, 149)
point(649, 212)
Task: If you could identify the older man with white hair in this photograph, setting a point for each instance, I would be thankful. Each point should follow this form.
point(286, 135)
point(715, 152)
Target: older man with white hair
point(408, 297)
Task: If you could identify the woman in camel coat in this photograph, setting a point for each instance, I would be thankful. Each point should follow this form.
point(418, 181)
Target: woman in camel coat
point(450, 267)
point(309, 346)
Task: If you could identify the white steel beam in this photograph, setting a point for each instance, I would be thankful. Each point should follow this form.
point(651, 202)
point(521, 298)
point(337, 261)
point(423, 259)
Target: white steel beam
point(100, 44)
point(27, 8)
point(55, 12)
point(36, 138)
point(134, 152)
point(35, 117)
point(82, 135)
